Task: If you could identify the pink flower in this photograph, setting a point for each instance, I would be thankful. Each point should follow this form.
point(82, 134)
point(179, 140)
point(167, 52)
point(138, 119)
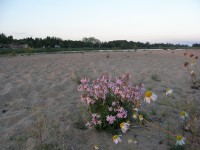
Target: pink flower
point(95, 115)
point(96, 119)
point(99, 122)
point(111, 85)
point(121, 93)
point(126, 77)
point(88, 125)
point(122, 113)
point(119, 115)
point(114, 103)
point(80, 88)
point(84, 97)
point(85, 80)
point(116, 91)
point(89, 101)
point(119, 81)
point(120, 109)
point(110, 119)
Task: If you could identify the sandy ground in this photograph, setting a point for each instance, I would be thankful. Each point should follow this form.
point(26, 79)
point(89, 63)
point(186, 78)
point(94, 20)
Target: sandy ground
point(39, 98)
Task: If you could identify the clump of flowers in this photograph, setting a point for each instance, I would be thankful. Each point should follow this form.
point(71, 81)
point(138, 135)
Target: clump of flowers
point(110, 102)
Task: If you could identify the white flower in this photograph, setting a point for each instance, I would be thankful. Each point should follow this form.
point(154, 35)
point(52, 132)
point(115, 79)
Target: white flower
point(124, 126)
point(140, 117)
point(88, 125)
point(130, 140)
point(135, 109)
point(149, 96)
point(191, 72)
point(180, 140)
point(135, 115)
point(183, 115)
point(96, 147)
point(116, 139)
point(169, 92)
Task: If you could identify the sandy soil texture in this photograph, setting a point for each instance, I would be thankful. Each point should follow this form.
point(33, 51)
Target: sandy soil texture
point(39, 98)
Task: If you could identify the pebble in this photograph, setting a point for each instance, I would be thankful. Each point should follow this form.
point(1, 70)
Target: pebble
point(4, 111)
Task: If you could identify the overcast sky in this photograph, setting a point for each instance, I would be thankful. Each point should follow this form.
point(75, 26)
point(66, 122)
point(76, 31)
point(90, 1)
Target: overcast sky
point(175, 21)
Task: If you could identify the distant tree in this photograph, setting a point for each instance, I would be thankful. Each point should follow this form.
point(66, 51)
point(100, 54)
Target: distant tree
point(92, 42)
point(147, 45)
point(196, 45)
point(3, 38)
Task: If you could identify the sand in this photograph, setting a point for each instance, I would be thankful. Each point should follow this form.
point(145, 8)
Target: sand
point(39, 98)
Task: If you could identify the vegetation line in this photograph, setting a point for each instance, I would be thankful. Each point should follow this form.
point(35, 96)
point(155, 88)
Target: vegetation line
point(54, 44)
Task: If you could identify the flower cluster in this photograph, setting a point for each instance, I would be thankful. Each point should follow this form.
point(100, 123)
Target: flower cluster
point(110, 102)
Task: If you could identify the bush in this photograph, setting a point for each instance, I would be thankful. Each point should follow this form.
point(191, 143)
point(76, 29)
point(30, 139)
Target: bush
point(110, 102)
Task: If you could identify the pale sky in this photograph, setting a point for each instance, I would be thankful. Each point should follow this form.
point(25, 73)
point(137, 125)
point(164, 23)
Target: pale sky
point(175, 21)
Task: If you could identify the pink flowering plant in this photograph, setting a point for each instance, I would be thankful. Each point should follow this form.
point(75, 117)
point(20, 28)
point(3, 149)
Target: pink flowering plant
point(110, 102)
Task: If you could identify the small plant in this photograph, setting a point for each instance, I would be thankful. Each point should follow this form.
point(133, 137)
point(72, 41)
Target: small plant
point(49, 147)
point(80, 123)
point(154, 112)
point(13, 53)
point(76, 78)
point(109, 102)
point(177, 147)
point(190, 68)
point(108, 56)
point(29, 51)
point(163, 113)
point(155, 77)
point(40, 127)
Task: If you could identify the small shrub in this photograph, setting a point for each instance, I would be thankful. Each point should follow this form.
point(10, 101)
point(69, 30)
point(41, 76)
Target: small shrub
point(192, 70)
point(110, 102)
point(76, 78)
point(29, 51)
point(80, 124)
point(13, 53)
point(155, 77)
point(153, 112)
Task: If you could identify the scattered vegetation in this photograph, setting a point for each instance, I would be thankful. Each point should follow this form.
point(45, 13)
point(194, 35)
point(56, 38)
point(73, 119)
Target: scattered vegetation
point(76, 78)
point(192, 69)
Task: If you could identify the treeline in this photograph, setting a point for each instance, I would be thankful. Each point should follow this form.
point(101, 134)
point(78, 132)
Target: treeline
point(90, 43)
